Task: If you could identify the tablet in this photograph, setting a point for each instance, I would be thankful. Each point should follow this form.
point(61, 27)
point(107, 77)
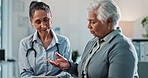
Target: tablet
point(43, 77)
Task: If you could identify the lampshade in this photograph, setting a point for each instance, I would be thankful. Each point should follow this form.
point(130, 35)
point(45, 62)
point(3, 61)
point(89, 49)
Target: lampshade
point(127, 28)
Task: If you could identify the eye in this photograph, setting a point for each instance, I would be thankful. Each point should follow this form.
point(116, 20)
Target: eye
point(37, 21)
point(92, 22)
point(46, 20)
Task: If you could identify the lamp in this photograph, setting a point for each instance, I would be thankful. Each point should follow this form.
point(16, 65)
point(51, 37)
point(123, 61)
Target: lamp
point(127, 28)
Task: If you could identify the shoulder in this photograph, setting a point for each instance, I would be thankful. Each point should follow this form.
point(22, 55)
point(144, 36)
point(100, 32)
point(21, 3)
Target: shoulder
point(121, 45)
point(26, 39)
point(62, 38)
point(121, 40)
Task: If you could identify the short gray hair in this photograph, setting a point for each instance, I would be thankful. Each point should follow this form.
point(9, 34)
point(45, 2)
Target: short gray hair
point(105, 9)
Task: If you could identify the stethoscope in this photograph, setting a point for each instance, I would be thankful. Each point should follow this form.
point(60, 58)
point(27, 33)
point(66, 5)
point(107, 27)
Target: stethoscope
point(35, 54)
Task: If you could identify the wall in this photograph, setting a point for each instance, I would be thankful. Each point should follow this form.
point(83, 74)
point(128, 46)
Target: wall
point(21, 26)
point(134, 10)
point(71, 16)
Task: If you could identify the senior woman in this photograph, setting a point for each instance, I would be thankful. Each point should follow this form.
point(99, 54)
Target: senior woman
point(109, 54)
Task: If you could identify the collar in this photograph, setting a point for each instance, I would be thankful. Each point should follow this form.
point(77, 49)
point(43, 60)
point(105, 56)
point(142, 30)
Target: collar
point(112, 34)
point(55, 38)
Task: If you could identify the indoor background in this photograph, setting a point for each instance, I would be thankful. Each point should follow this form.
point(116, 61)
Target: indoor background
point(69, 19)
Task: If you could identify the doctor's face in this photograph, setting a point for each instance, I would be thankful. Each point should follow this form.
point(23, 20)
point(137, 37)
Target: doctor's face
point(96, 27)
point(41, 20)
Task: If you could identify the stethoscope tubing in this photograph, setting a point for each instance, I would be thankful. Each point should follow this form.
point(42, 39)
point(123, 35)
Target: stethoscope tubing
point(35, 54)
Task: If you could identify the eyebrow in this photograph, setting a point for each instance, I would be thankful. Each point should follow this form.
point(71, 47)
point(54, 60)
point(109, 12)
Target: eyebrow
point(90, 19)
point(36, 19)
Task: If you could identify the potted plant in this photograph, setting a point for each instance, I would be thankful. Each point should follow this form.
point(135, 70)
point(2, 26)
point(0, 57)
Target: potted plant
point(144, 23)
point(75, 55)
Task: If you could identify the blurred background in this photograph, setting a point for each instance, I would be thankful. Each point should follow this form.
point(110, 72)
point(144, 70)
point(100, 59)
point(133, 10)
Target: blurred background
point(70, 20)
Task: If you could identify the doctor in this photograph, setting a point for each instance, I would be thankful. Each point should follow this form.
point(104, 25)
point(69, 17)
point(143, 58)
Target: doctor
point(35, 49)
point(109, 54)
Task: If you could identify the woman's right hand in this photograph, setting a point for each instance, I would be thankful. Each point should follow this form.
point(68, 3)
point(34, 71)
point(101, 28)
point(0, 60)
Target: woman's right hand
point(61, 62)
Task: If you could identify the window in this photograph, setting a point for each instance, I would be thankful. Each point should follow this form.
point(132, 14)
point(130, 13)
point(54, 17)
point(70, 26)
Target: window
point(0, 27)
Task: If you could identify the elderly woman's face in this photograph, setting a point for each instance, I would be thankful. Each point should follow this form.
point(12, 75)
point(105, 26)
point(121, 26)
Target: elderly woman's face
point(41, 20)
point(97, 28)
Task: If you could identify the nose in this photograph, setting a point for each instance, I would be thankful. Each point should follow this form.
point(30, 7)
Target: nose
point(89, 26)
point(43, 25)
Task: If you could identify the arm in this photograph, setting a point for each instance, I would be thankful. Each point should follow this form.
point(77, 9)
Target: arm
point(24, 66)
point(122, 62)
point(64, 64)
point(65, 51)
point(67, 55)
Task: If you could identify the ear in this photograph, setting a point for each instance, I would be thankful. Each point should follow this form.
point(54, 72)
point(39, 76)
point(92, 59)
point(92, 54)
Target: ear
point(50, 15)
point(109, 21)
